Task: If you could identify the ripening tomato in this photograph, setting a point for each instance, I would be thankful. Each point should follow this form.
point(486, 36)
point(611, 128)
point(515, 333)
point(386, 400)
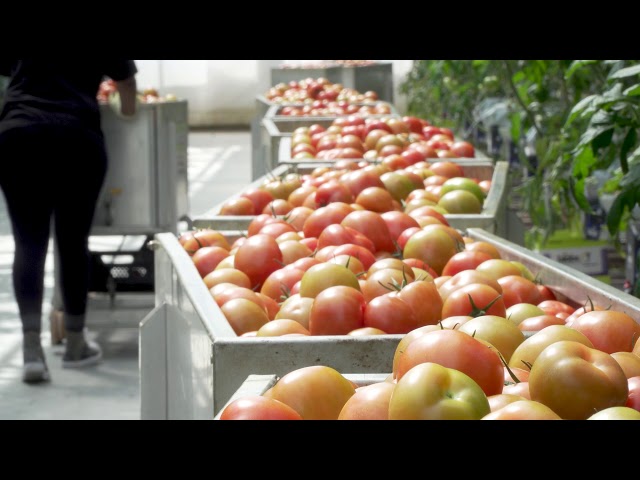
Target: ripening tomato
point(257, 407)
point(496, 402)
point(227, 275)
point(527, 352)
point(467, 277)
point(325, 275)
point(517, 289)
point(498, 331)
point(244, 315)
point(317, 392)
point(192, 241)
point(633, 399)
point(296, 308)
point(390, 314)
point(616, 413)
point(281, 326)
point(370, 402)
point(523, 410)
point(630, 363)
point(576, 381)
point(430, 391)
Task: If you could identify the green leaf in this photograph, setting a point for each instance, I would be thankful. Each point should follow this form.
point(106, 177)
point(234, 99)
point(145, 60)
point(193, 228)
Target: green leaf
point(576, 65)
point(625, 72)
point(632, 91)
point(578, 193)
point(579, 107)
point(582, 163)
point(592, 133)
point(625, 200)
point(628, 143)
point(516, 126)
point(602, 140)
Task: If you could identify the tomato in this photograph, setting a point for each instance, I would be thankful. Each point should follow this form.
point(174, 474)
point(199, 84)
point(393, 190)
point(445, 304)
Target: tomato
point(454, 322)
point(244, 315)
point(633, 399)
point(463, 149)
point(304, 263)
point(523, 410)
point(352, 263)
point(227, 275)
point(280, 282)
point(375, 199)
point(259, 197)
point(498, 267)
point(338, 234)
point(517, 289)
point(370, 402)
point(576, 381)
point(279, 327)
point(317, 392)
point(616, 413)
point(192, 241)
point(390, 314)
point(430, 391)
point(398, 222)
point(325, 275)
point(464, 260)
point(373, 227)
point(521, 375)
point(425, 301)
point(498, 331)
point(357, 251)
point(546, 294)
point(298, 196)
point(260, 221)
point(552, 307)
point(475, 299)
point(258, 257)
point(519, 312)
point(521, 389)
point(630, 363)
point(359, 180)
point(496, 402)
point(238, 206)
point(458, 350)
point(206, 259)
point(383, 281)
point(293, 250)
point(275, 229)
point(527, 352)
point(588, 307)
point(296, 308)
point(333, 191)
point(257, 407)
point(433, 246)
point(337, 310)
point(534, 324)
point(467, 277)
point(325, 216)
point(608, 330)
point(297, 216)
point(484, 247)
point(446, 168)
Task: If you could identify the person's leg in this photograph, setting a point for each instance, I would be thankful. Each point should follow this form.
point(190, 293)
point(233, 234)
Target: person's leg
point(25, 183)
point(74, 209)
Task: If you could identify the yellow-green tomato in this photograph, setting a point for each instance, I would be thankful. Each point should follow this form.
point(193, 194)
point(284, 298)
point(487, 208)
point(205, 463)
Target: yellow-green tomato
point(430, 391)
point(616, 413)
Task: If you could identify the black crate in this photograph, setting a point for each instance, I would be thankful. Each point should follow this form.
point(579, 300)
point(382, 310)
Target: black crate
point(122, 271)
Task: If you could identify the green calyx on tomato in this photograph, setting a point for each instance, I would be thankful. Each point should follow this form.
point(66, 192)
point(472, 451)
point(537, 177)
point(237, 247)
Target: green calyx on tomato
point(478, 312)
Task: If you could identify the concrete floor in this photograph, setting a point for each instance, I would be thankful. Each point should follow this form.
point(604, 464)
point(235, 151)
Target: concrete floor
point(219, 166)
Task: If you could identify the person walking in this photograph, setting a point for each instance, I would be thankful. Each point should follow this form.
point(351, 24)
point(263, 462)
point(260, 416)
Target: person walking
point(53, 163)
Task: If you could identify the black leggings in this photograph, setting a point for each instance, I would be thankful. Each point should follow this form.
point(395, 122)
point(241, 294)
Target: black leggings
point(50, 171)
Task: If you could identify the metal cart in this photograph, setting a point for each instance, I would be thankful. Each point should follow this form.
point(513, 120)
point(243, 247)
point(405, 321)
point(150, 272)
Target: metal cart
point(145, 192)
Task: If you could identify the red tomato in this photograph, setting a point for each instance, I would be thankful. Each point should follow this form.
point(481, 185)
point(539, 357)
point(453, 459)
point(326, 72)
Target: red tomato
point(361, 253)
point(464, 260)
point(517, 289)
point(433, 246)
point(425, 301)
point(633, 399)
point(390, 314)
point(258, 408)
point(553, 307)
point(375, 199)
point(325, 216)
point(457, 350)
point(609, 331)
point(373, 226)
point(258, 257)
point(206, 259)
point(537, 323)
point(474, 299)
point(462, 149)
point(192, 241)
point(259, 197)
point(238, 206)
point(467, 277)
point(280, 282)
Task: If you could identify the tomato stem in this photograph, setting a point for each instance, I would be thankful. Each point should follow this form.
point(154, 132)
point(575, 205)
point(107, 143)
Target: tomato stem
point(478, 312)
point(511, 374)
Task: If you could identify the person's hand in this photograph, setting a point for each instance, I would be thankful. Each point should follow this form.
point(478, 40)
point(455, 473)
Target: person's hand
point(116, 106)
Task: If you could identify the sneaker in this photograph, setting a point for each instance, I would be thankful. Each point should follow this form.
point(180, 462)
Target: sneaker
point(80, 352)
point(34, 369)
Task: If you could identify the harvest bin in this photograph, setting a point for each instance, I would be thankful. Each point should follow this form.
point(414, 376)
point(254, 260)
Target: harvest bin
point(275, 127)
point(191, 361)
point(492, 217)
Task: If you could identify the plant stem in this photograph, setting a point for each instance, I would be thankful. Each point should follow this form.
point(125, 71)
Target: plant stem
point(520, 101)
